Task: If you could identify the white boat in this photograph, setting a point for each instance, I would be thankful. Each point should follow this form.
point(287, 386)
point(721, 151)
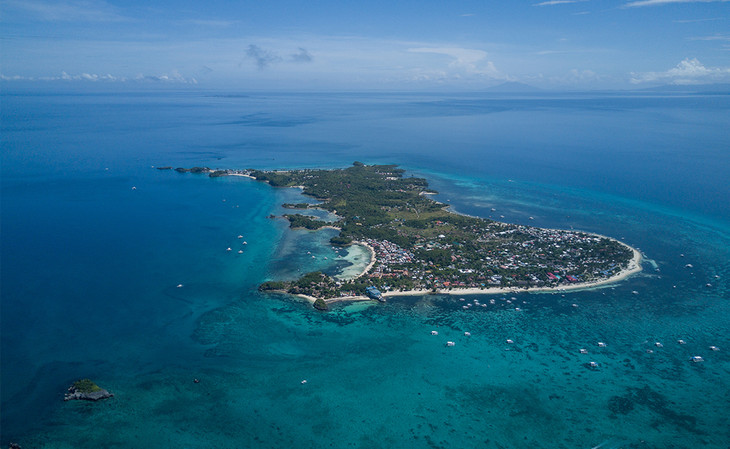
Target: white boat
point(434, 333)
point(450, 343)
point(240, 251)
point(658, 345)
point(228, 249)
point(240, 236)
point(593, 365)
point(601, 344)
point(714, 348)
point(179, 286)
point(467, 334)
point(681, 342)
point(509, 341)
point(583, 351)
point(697, 359)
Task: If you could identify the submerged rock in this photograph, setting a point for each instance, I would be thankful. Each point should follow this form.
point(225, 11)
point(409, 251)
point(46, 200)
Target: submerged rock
point(86, 390)
point(320, 304)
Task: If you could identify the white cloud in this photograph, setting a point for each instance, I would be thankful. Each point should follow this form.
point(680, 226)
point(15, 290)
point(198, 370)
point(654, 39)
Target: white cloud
point(716, 37)
point(689, 71)
point(212, 23)
point(172, 77)
point(697, 20)
point(469, 61)
point(558, 2)
point(664, 2)
point(65, 10)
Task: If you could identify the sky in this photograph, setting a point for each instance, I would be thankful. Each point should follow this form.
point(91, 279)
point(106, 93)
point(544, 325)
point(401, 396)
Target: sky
point(366, 45)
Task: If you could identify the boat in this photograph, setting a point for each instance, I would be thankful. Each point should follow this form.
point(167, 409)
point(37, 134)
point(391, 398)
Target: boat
point(583, 351)
point(601, 344)
point(467, 334)
point(697, 359)
point(593, 365)
point(434, 333)
point(228, 249)
point(510, 341)
point(240, 251)
point(658, 345)
point(681, 342)
point(714, 348)
point(179, 286)
point(240, 236)
point(450, 343)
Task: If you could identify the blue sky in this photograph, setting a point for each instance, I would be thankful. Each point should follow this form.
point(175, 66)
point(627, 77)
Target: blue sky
point(326, 44)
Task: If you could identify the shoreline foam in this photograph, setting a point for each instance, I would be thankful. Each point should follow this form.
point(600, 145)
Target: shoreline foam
point(633, 267)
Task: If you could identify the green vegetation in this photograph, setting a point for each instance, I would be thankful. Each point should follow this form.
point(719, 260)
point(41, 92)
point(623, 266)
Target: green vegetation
point(305, 221)
point(320, 304)
point(85, 386)
point(419, 244)
point(196, 170)
point(340, 240)
point(273, 285)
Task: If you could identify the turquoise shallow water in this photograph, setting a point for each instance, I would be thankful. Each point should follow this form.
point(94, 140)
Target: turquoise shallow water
point(90, 269)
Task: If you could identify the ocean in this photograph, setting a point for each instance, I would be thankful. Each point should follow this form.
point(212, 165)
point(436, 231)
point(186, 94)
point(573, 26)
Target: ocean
point(95, 241)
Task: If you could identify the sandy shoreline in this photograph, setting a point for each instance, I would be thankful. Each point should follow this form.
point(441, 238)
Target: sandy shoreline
point(372, 258)
point(633, 267)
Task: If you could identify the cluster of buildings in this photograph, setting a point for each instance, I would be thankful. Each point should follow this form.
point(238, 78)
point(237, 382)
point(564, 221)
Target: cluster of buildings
point(498, 254)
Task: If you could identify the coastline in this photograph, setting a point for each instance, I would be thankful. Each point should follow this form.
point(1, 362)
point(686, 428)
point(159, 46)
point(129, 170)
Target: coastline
point(634, 266)
point(372, 259)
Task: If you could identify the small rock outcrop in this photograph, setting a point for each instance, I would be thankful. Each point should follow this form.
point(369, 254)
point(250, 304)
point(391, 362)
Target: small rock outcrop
point(86, 390)
point(320, 304)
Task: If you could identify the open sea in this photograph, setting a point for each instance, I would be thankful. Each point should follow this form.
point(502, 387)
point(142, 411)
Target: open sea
point(95, 241)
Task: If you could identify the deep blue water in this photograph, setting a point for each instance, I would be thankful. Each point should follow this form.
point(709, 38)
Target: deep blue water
point(90, 268)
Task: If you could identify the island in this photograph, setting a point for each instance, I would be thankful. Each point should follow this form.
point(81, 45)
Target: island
point(419, 246)
point(86, 390)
